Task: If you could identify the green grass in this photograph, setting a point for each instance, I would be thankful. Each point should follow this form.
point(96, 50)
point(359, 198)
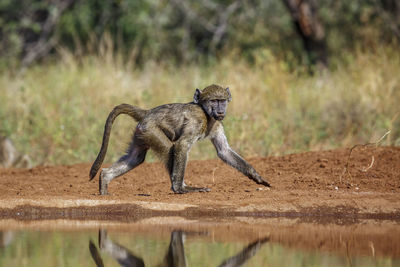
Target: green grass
point(56, 111)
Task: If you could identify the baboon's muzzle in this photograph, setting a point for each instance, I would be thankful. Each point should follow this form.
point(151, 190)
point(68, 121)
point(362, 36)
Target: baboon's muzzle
point(219, 117)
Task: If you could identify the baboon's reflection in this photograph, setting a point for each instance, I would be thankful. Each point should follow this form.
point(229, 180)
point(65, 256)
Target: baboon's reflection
point(119, 253)
point(175, 256)
point(6, 237)
point(248, 252)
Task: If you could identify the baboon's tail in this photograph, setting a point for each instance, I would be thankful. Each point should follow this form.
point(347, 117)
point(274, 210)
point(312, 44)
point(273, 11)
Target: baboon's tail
point(135, 112)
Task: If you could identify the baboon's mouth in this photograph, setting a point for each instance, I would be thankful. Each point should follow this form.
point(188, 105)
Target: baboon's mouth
point(219, 117)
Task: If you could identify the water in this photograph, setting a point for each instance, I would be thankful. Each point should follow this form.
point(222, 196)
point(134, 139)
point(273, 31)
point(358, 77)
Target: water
point(148, 243)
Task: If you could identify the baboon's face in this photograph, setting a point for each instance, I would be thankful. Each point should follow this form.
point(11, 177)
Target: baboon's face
point(216, 108)
point(214, 100)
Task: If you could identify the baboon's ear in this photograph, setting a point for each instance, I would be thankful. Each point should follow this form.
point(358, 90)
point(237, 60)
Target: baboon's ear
point(196, 98)
point(229, 94)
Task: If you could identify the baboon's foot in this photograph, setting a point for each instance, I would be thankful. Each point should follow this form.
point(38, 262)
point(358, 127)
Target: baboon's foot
point(197, 189)
point(103, 185)
point(189, 189)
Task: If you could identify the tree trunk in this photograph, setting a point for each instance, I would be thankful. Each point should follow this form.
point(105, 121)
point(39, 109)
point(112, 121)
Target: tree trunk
point(390, 12)
point(38, 45)
point(392, 6)
point(310, 29)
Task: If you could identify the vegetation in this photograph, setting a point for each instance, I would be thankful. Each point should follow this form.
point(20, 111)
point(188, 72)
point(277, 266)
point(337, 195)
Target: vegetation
point(65, 64)
point(298, 32)
point(57, 111)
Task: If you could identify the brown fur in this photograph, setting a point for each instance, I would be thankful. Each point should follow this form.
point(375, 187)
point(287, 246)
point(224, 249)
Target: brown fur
point(170, 130)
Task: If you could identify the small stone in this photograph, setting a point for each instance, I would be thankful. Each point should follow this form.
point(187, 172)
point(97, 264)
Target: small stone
point(260, 189)
point(144, 195)
point(357, 188)
point(336, 188)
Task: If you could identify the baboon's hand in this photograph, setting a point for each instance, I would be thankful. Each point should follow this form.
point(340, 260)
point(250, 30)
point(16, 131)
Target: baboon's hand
point(264, 183)
point(260, 180)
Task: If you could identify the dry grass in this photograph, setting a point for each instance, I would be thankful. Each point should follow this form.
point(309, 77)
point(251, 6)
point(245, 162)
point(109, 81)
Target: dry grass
point(55, 112)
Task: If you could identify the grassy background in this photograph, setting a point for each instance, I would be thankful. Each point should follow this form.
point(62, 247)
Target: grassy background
point(55, 112)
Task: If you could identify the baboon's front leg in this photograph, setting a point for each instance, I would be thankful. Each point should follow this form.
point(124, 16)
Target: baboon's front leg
point(244, 255)
point(178, 163)
point(233, 159)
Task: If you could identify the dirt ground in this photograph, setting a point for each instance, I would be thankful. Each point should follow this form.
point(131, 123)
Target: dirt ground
point(315, 184)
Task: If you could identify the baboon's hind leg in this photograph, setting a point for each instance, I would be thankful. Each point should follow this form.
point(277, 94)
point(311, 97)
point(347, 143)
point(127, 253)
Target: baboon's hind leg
point(174, 159)
point(133, 158)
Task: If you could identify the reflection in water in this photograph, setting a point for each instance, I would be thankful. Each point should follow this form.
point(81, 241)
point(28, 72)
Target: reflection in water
point(240, 258)
point(175, 256)
point(6, 237)
point(369, 245)
point(118, 252)
point(176, 250)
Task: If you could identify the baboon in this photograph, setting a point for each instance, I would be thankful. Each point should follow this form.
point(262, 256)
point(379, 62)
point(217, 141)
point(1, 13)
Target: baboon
point(121, 254)
point(9, 156)
point(170, 130)
point(175, 256)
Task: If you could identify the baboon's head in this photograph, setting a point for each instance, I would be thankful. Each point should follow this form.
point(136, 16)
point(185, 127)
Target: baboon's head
point(214, 100)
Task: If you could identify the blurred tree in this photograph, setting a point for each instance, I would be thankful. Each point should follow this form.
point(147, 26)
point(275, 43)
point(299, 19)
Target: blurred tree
point(27, 27)
point(182, 31)
point(213, 20)
point(38, 44)
point(389, 10)
point(310, 29)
